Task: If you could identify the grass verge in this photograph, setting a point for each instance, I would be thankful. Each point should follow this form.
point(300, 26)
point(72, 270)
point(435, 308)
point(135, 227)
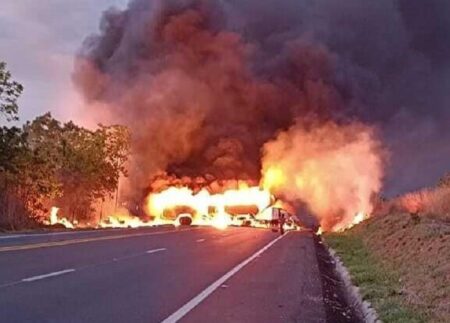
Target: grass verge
point(378, 285)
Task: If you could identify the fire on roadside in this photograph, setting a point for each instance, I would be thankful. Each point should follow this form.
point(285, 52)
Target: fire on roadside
point(337, 194)
point(55, 219)
point(245, 205)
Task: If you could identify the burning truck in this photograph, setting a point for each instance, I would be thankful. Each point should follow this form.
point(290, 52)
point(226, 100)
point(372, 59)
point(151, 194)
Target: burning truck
point(208, 97)
point(274, 217)
point(237, 204)
point(245, 206)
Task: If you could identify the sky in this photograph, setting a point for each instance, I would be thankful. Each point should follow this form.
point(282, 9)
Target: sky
point(38, 41)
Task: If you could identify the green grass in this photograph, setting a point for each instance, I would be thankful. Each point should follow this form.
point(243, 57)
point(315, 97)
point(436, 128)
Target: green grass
point(377, 285)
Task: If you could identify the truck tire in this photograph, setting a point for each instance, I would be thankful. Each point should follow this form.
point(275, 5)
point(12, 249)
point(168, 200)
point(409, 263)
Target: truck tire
point(185, 220)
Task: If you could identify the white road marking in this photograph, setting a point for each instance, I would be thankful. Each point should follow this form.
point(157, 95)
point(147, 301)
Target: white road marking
point(156, 250)
point(50, 234)
point(62, 272)
point(56, 273)
point(85, 240)
point(189, 306)
point(201, 240)
point(139, 254)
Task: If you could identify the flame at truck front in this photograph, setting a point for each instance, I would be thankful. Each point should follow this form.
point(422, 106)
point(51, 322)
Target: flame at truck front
point(203, 207)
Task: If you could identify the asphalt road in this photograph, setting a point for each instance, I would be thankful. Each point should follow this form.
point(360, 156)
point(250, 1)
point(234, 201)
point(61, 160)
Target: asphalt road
point(160, 274)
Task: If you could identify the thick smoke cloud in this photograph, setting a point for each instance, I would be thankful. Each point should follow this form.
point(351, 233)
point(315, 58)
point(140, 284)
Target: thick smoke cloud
point(204, 84)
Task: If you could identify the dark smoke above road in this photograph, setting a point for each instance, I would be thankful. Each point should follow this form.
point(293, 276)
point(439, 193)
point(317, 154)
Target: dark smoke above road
point(205, 84)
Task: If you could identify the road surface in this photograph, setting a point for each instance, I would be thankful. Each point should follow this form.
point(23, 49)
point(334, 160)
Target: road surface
point(160, 275)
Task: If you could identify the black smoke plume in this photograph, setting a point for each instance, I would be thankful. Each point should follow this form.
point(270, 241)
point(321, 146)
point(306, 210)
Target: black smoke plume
point(204, 84)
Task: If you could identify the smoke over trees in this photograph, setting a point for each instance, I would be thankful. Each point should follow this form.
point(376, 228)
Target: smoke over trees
point(205, 84)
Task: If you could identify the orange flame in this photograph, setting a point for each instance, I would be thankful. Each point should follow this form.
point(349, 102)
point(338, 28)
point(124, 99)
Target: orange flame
point(334, 169)
point(203, 207)
point(55, 219)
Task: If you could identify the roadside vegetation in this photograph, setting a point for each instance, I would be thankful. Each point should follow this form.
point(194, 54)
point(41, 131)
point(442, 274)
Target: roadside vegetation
point(401, 260)
point(378, 285)
point(46, 162)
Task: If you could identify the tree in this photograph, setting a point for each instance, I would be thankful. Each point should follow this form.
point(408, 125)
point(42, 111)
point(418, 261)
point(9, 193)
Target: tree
point(85, 165)
point(43, 160)
point(9, 94)
point(21, 178)
point(92, 163)
point(47, 163)
point(27, 173)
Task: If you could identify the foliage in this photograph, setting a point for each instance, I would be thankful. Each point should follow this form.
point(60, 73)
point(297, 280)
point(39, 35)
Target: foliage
point(47, 163)
point(9, 93)
point(92, 162)
point(12, 148)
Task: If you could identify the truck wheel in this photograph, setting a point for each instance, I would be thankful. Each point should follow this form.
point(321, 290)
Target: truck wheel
point(185, 220)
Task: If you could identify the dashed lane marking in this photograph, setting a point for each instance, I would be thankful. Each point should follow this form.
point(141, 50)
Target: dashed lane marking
point(67, 271)
point(40, 277)
point(156, 250)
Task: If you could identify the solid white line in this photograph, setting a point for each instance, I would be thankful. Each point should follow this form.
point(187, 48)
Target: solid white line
point(156, 250)
point(50, 234)
point(56, 273)
point(200, 240)
point(17, 236)
point(186, 308)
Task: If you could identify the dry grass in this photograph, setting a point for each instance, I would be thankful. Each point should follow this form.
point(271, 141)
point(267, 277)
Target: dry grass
point(431, 202)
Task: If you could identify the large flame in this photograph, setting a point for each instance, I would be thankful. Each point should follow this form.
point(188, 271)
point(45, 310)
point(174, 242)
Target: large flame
point(203, 207)
point(182, 205)
point(334, 169)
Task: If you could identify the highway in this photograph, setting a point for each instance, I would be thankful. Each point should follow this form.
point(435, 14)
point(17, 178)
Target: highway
point(160, 275)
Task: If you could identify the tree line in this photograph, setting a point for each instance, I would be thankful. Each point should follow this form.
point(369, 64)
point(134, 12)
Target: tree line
point(46, 162)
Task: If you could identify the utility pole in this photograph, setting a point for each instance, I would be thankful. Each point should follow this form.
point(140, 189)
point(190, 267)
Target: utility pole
point(117, 195)
point(101, 213)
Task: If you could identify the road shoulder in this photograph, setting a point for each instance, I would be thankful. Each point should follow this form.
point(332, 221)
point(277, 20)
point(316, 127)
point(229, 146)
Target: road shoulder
point(282, 285)
point(338, 305)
